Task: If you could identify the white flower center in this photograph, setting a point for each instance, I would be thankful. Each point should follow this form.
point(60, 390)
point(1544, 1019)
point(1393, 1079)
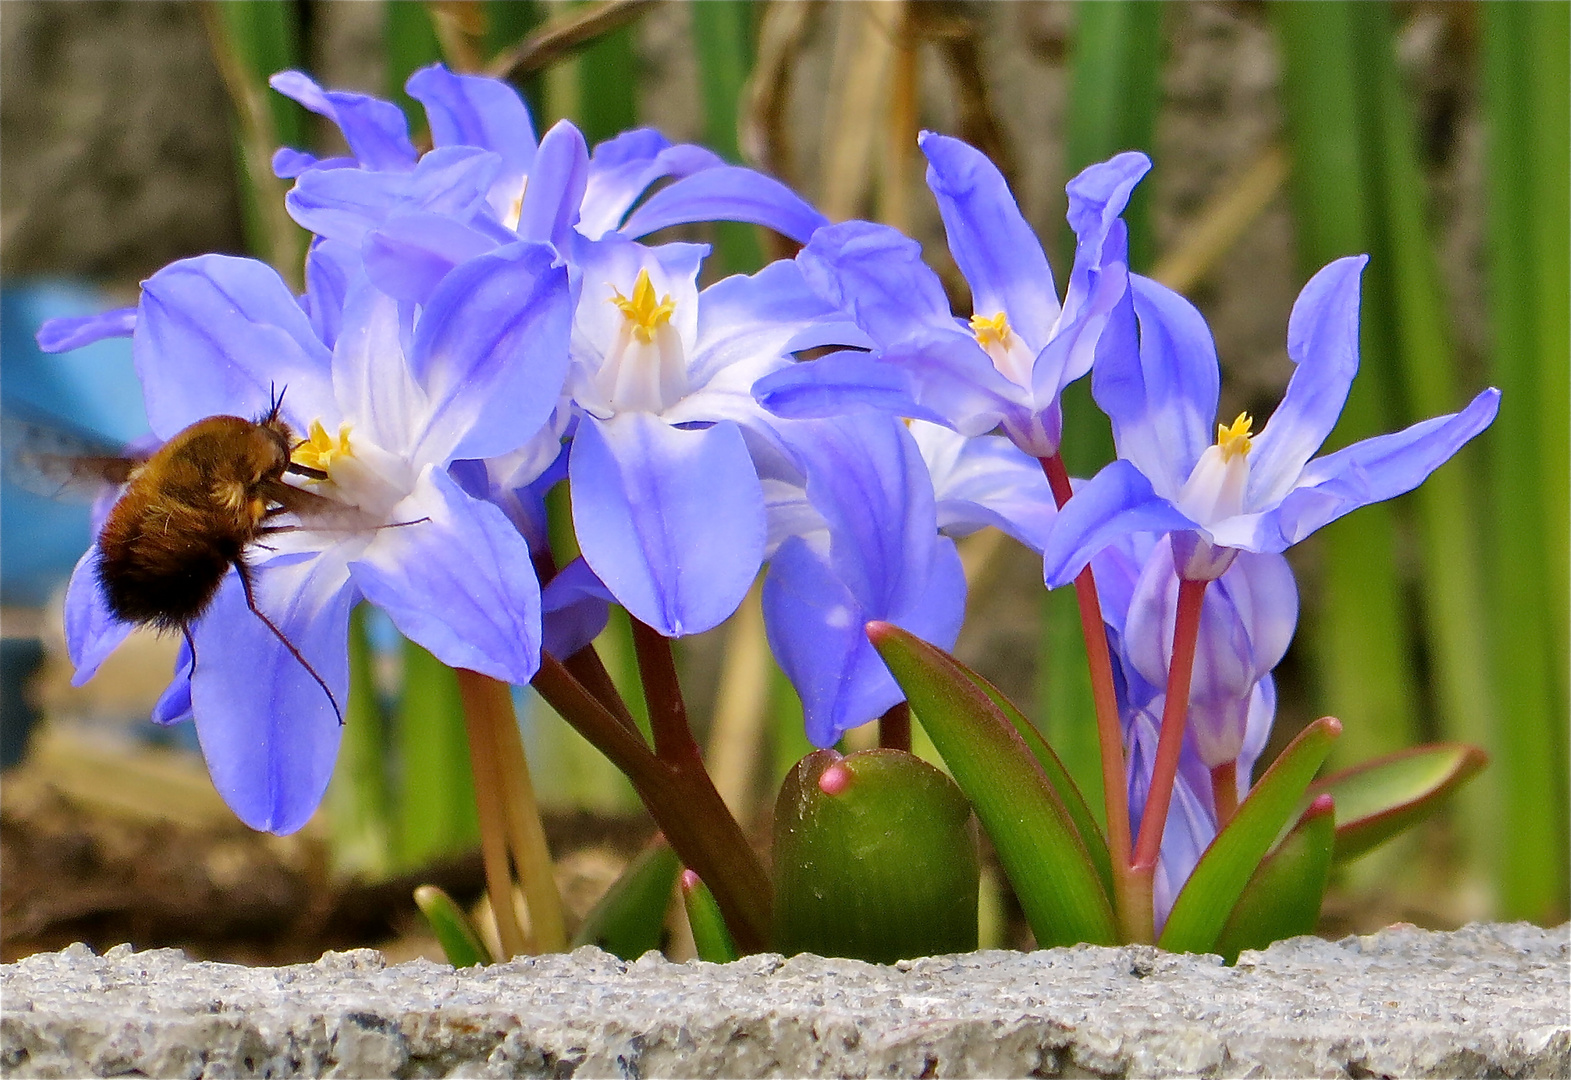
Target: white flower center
point(1216, 487)
point(1004, 347)
point(645, 369)
point(359, 473)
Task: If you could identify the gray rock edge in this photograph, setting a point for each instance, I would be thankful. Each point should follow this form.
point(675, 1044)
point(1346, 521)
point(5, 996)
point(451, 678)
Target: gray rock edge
point(1486, 1000)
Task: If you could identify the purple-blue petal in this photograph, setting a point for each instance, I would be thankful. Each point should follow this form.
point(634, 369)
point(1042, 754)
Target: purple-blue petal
point(1160, 392)
point(1117, 501)
point(575, 607)
point(174, 704)
point(839, 384)
point(671, 520)
point(491, 351)
point(877, 275)
point(1377, 469)
point(268, 730)
point(471, 110)
point(556, 187)
point(330, 267)
point(75, 331)
point(375, 130)
point(815, 630)
point(410, 254)
point(458, 581)
point(220, 335)
point(91, 631)
point(622, 168)
point(1322, 339)
point(344, 203)
point(727, 193)
point(996, 250)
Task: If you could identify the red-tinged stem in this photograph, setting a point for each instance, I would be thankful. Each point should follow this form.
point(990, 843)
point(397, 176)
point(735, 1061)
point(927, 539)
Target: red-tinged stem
point(1224, 792)
point(674, 742)
point(1186, 631)
point(894, 727)
point(682, 799)
point(1109, 732)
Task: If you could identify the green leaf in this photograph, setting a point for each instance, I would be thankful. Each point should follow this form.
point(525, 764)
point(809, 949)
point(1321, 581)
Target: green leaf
point(629, 920)
point(1283, 898)
point(703, 915)
point(358, 798)
point(1380, 798)
point(1212, 891)
point(461, 943)
point(1037, 842)
point(875, 858)
point(1057, 775)
point(436, 793)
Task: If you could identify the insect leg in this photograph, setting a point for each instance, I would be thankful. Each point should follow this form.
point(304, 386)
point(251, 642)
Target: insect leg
point(250, 602)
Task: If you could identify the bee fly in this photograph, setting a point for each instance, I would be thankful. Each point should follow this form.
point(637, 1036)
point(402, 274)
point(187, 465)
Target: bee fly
point(189, 512)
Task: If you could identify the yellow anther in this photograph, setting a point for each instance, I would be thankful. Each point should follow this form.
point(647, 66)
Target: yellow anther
point(642, 311)
point(1234, 440)
point(990, 330)
point(319, 449)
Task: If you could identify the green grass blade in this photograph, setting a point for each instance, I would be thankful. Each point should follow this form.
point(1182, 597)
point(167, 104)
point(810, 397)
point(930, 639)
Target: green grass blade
point(411, 44)
point(710, 935)
point(722, 42)
point(1447, 515)
point(436, 805)
point(358, 798)
point(1527, 189)
point(1359, 631)
point(608, 85)
point(629, 920)
point(461, 943)
point(1063, 697)
point(1036, 839)
point(1225, 869)
point(1283, 898)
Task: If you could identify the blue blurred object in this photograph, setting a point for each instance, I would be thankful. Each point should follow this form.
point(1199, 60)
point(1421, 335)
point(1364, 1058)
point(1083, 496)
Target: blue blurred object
point(91, 392)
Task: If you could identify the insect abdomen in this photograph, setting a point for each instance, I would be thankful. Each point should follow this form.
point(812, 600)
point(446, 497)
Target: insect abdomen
point(161, 564)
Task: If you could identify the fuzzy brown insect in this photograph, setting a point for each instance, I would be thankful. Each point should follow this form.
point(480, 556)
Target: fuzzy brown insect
point(189, 512)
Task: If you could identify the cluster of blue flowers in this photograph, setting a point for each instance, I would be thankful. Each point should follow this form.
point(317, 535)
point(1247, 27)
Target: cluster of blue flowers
point(481, 322)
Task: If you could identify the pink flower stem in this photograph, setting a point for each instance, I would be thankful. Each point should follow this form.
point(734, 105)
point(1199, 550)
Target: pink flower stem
point(1132, 901)
point(1186, 631)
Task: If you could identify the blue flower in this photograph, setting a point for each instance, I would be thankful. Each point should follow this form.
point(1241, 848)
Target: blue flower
point(487, 181)
point(1240, 492)
point(857, 541)
point(667, 502)
point(1006, 366)
point(400, 395)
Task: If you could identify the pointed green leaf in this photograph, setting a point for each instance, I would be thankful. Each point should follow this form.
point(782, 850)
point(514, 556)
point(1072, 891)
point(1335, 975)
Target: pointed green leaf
point(1380, 798)
point(1035, 836)
point(629, 920)
point(1057, 775)
point(710, 935)
point(1225, 868)
point(461, 943)
point(875, 858)
point(1283, 898)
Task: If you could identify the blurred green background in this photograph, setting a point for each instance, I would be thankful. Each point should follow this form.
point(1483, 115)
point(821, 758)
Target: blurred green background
point(1433, 136)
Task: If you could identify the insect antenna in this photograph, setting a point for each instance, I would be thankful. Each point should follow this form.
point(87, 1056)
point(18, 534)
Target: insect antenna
point(250, 602)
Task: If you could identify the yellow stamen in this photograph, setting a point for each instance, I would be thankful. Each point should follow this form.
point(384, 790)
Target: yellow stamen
point(642, 311)
point(991, 330)
point(319, 449)
point(1234, 440)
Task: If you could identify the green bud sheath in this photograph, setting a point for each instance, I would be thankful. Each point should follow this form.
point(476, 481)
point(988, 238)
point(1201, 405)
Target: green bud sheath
point(875, 858)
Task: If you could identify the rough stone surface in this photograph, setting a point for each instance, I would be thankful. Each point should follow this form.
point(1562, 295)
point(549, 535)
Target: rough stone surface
point(1487, 1000)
